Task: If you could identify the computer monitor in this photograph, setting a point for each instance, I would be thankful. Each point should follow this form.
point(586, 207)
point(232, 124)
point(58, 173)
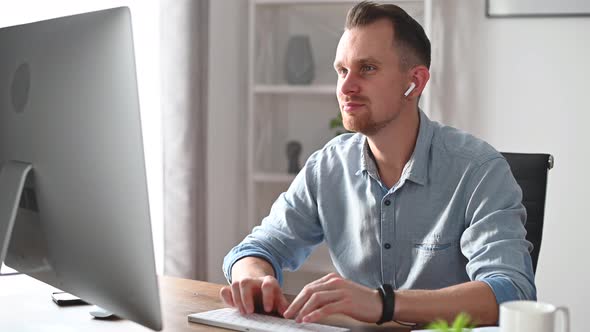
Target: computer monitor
point(72, 159)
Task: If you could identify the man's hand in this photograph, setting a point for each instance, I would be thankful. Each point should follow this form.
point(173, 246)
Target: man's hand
point(244, 293)
point(332, 295)
point(253, 282)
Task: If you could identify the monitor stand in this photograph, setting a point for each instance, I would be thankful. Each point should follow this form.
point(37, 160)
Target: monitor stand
point(13, 175)
point(23, 245)
point(101, 313)
point(18, 203)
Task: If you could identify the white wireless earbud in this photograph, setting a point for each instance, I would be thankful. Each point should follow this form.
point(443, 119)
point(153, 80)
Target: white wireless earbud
point(412, 86)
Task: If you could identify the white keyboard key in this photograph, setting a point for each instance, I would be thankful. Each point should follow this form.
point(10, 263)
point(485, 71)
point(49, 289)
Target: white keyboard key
point(231, 318)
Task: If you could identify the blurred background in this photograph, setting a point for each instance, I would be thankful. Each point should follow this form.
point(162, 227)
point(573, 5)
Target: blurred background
point(226, 85)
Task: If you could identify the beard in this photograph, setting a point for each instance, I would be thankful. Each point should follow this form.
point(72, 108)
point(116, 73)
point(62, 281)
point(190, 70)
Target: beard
point(365, 124)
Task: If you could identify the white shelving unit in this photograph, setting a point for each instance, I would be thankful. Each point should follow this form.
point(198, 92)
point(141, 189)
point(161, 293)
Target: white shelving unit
point(279, 112)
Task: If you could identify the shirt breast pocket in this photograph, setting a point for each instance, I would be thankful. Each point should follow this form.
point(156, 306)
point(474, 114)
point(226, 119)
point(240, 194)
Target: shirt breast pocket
point(437, 262)
point(434, 246)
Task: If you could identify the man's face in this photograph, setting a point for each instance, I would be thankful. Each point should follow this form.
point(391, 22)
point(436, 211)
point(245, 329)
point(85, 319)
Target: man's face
point(370, 80)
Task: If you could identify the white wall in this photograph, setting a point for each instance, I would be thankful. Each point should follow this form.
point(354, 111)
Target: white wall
point(145, 18)
point(521, 84)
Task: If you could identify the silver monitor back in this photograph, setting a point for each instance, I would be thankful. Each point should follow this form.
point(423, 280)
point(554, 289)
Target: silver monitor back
point(69, 107)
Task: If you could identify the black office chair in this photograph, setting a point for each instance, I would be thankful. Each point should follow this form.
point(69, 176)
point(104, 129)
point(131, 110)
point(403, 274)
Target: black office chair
point(530, 171)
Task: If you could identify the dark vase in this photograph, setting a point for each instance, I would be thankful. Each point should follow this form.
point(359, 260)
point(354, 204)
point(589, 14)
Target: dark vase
point(299, 67)
point(293, 151)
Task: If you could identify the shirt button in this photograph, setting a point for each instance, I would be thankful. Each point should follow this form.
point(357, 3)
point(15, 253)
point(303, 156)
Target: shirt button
point(387, 246)
point(387, 202)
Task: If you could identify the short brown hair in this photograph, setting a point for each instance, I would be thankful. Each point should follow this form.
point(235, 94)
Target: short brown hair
point(408, 34)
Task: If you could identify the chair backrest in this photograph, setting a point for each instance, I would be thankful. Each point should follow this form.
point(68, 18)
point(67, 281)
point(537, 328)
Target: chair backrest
point(530, 171)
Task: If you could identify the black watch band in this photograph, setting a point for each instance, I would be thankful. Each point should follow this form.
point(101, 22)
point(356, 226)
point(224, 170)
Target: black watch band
point(388, 298)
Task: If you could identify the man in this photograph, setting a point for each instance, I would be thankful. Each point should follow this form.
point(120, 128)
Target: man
point(405, 204)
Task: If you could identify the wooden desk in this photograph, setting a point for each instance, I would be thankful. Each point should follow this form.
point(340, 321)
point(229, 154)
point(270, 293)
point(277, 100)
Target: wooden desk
point(25, 305)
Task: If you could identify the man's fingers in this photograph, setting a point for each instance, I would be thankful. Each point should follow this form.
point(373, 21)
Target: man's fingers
point(327, 310)
point(325, 278)
point(292, 309)
point(237, 297)
point(270, 287)
point(272, 296)
point(318, 300)
point(282, 303)
point(247, 294)
point(331, 281)
point(225, 294)
point(304, 296)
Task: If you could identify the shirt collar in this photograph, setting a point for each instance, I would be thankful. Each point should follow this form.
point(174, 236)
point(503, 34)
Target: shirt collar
point(367, 162)
point(417, 166)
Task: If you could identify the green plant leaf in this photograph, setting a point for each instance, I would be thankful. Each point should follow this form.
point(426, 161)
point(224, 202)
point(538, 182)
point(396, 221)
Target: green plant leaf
point(335, 123)
point(461, 322)
point(439, 325)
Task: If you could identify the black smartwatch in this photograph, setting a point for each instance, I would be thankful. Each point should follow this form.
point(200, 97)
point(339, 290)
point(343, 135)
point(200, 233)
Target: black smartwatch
point(388, 297)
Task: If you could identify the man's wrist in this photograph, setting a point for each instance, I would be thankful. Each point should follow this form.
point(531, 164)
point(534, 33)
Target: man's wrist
point(388, 299)
point(252, 267)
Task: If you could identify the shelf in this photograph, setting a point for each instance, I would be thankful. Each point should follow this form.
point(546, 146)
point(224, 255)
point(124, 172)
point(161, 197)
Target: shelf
point(274, 177)
point(325, 89)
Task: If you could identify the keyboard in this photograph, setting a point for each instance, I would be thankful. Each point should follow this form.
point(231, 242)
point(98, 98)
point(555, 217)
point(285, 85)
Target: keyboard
point(231, 318)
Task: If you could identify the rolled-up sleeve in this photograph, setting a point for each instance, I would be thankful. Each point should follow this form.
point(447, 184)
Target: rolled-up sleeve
point(289, 233)
point(494, 240)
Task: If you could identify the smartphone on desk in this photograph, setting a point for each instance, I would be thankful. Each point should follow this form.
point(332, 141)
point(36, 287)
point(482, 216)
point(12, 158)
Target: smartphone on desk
point(65, 299)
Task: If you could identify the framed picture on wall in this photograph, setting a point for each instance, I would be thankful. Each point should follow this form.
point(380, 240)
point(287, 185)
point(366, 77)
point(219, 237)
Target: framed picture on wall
point(537, 8)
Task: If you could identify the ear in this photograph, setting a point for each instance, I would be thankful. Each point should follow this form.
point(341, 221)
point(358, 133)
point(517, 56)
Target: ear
point(419, 75)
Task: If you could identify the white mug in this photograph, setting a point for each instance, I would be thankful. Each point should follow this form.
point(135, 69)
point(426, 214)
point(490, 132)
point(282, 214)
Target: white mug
point(531, 316)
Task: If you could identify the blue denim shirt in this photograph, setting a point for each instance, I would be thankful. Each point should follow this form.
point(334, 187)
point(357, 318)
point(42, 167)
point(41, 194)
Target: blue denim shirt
point(455, 215)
